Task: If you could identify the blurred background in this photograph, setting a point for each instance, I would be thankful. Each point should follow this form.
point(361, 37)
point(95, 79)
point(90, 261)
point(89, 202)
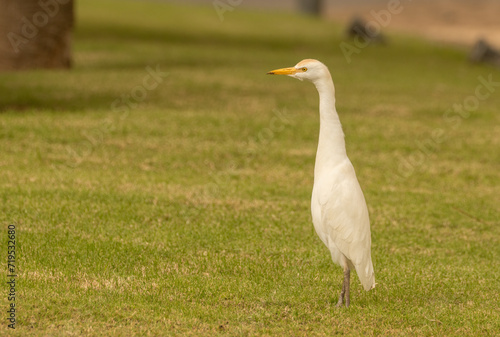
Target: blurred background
point(457, 21)
point(48, 24)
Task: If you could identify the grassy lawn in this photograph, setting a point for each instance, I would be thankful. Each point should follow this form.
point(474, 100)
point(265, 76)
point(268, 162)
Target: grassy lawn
point(162, 186)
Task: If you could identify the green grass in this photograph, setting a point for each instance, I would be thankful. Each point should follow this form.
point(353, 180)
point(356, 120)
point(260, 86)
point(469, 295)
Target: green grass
point(189, 213)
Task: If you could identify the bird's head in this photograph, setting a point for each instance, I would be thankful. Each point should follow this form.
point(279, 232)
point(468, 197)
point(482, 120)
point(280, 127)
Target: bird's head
point(308, 69)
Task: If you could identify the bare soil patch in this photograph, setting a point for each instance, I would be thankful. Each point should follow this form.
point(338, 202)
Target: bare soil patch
point(454, 21)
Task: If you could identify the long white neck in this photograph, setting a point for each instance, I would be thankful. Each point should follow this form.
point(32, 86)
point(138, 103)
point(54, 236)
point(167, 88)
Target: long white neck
point(331, 144)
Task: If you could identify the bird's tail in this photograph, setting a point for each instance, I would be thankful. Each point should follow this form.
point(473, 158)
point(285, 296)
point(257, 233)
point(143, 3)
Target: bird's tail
point(366, 275)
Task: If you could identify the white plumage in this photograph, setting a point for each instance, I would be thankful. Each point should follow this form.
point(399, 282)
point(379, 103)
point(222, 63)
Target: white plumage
point(338, 206)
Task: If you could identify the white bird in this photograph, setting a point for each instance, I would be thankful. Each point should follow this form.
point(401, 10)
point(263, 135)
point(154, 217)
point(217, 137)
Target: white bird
point(338, 207)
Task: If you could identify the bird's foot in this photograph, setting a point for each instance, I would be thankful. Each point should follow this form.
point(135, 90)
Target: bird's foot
point(340, 304)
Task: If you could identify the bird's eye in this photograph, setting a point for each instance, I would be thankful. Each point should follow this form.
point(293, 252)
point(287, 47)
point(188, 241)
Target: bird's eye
point(304, 69)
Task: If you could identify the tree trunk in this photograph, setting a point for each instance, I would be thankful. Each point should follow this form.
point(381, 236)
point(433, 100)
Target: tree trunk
point(35, 34)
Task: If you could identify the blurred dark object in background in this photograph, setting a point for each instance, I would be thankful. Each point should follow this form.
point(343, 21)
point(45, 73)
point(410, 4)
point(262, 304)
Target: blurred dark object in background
point(482, 52)
point(312, 7)
point(35, 34)
point(369, 33)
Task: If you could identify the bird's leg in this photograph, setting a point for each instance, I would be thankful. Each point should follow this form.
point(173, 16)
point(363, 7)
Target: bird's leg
point(345, 288)
point(347, 281)
point(341, 297)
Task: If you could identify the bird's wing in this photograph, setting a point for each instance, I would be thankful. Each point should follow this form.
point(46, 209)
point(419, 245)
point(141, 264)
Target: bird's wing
point(345, 220)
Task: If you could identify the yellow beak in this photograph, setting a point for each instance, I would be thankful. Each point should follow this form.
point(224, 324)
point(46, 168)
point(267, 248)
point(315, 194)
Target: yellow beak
point(283, 71)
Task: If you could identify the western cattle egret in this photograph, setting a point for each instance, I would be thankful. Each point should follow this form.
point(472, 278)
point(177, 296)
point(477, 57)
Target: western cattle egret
point(338, 206)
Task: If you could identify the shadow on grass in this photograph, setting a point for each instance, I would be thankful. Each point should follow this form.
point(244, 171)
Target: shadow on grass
point(165, 35)
point(21, 97)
